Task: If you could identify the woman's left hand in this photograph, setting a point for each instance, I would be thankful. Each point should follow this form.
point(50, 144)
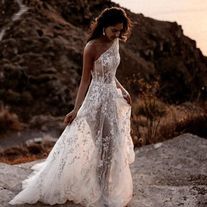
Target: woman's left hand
point(127, 97)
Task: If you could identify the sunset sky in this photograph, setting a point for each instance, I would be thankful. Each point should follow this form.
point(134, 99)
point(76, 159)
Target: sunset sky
point(191, 14)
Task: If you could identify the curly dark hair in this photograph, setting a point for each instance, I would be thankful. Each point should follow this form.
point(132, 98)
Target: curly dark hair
point(109, 17)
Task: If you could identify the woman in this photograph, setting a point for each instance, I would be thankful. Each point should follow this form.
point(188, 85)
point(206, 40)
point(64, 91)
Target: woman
point(89, 164)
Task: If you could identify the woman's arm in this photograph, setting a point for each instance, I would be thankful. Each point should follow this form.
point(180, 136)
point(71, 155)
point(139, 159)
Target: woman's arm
point(88, 61)
point(86, 76)
point(125, 93)
point(118, 85)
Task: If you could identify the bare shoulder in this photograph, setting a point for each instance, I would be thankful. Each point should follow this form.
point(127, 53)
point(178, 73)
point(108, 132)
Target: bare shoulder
point(90, 48)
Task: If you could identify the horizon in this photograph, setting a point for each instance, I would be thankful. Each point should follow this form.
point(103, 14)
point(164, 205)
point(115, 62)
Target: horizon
point(186, 13)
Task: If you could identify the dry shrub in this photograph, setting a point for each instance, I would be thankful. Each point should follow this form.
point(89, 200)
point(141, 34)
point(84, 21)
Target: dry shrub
point(195, 125)
point(10, 154)
point(185, 118)
point(147, 114)
point(147, 111)
point(154, 121)
point(35, 149)
point(9, 120)
point(14, 151)
point(24, 159)
point(26, 152)
point(21, 159)
point(188, 118)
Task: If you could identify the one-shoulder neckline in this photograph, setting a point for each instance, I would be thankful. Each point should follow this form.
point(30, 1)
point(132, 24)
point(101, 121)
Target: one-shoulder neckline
point(105, 51)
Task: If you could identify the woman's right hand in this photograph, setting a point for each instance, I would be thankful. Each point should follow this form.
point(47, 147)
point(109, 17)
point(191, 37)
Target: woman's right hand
point(70, 116)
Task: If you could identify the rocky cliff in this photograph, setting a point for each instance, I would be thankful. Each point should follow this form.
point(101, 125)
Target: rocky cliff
point(171, 173)
point(41, 56)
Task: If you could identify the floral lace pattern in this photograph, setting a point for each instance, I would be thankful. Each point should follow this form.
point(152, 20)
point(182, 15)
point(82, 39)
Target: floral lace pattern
point(89, 164)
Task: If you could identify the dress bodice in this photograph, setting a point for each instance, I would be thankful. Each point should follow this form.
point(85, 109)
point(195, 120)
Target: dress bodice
point(105, 66)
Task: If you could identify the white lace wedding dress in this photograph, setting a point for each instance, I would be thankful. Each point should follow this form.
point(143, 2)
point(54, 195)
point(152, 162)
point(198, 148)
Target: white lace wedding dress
point(89, 164)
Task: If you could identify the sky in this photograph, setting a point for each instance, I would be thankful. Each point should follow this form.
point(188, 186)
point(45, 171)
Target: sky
point(191, 14)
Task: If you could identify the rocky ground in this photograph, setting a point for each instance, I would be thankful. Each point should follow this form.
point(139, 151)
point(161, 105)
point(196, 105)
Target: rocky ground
point(168, 174)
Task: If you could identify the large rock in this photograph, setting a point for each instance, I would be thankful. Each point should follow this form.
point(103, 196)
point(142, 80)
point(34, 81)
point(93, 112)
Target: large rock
point(168, 174)
point(171, 174)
